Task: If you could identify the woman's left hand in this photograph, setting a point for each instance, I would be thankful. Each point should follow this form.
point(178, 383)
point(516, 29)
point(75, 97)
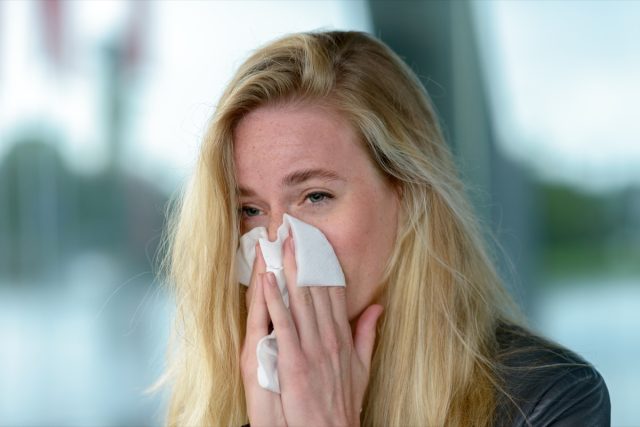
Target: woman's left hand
point(323, 368)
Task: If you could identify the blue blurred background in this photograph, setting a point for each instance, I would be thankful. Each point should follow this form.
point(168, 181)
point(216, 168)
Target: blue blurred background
point(102, 107)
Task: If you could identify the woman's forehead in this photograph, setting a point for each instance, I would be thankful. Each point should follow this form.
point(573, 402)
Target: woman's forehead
point(272, 140)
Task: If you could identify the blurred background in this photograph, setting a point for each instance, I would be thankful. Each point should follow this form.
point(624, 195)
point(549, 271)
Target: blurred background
point(102, 107)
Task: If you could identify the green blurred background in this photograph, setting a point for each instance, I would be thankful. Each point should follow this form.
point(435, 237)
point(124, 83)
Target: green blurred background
point(102, 107)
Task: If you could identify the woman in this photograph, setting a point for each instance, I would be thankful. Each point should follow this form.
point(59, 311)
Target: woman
point(335, 130)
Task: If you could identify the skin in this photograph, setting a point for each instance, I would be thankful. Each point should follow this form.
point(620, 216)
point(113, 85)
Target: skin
point(327, 337)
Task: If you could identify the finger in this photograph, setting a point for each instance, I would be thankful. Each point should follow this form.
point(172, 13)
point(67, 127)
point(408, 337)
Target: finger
point(365, 336)
point(283, 324)
point(300, 298)
point(258, 316)
point(338, 300)
point(259, 266)
point(257, 327)
point(332, 338)
point(263, 406)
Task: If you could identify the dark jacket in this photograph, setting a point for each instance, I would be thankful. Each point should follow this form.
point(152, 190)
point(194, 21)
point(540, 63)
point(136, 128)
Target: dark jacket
point(547, 384)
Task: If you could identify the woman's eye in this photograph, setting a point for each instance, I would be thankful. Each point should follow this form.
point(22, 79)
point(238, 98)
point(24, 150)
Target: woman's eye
point(318, 197)
point(249, 211)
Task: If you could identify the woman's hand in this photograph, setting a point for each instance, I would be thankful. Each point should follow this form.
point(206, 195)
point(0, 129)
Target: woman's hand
point(323, 368)
point(264, 408)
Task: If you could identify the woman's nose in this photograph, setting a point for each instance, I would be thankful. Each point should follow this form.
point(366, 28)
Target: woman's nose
point(274, 223)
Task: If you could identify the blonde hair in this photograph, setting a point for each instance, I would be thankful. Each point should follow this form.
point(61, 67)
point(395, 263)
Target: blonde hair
point(434, 363)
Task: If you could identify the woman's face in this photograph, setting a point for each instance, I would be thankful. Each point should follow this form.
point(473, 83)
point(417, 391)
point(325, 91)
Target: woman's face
point(307, 161)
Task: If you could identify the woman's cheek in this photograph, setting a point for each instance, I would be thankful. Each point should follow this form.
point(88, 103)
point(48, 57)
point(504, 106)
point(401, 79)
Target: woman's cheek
point(349, 249)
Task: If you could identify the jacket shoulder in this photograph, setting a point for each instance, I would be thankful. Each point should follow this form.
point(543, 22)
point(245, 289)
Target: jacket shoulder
point(545, 384)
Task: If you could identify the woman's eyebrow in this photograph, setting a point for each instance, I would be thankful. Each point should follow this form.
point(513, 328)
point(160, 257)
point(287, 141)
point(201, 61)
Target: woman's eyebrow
point(300, 176)
point(246, 192)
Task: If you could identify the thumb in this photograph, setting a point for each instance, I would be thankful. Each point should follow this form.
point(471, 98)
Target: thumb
point(365, 335)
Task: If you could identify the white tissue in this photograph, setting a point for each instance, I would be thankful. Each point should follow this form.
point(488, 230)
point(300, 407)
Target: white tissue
point(317, 265)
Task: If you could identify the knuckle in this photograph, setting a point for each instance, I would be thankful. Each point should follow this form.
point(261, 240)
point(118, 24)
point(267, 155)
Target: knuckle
point(283, 326)
point(340, 292)
point(332, 344)
point(305, 298)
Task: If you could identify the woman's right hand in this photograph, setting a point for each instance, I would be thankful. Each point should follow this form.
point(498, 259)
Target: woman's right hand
point(264, 407)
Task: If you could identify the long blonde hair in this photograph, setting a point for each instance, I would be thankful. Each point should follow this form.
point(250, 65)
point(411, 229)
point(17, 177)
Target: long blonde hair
point(434, 360)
